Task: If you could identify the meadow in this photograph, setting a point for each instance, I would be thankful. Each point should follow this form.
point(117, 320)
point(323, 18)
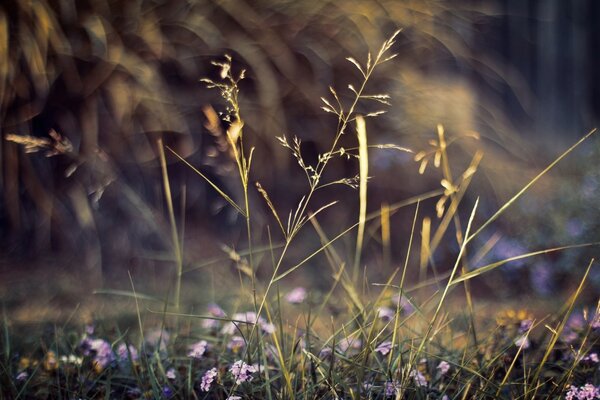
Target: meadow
point(336, 294)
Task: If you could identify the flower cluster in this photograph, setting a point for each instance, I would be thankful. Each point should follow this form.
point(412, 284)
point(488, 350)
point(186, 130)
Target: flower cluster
point(247, 318)
point(198, 349)
point(207, 379)
point(296, 296)
point(242, 372)
point(585, 392)
point(100, 351)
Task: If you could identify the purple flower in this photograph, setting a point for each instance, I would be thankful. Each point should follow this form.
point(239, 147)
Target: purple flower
point(21, 376)
point(384, 348)
point(525, 325)
point(167, 391)
point(444, 367)
point(593, 357)
point(325, 352)
point(576, 322)
point(391, 388)
point(585, 392)
point(386, 313)
point(127, 353)
point(242, 372)
point(523, 342)
point(89, 329)
point(596, 321)
point(348, 343)
point(247, 318)
point(296, 296)
point(216, 311)
point(158, 339)
point(418, 377)
point(198, 349)
point(170, 374)
point(405, 304)
point(207, 379)
point(234, 398)
point(100, 350)
point(236, 343)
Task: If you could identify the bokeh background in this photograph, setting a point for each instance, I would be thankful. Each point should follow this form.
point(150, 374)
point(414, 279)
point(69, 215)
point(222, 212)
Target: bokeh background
point(114, 76)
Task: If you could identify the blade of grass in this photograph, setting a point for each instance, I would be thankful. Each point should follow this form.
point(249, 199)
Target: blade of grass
point(174, 232)
point(363, 159)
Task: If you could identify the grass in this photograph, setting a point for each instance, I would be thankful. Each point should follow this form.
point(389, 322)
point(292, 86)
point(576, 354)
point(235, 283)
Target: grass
point(358, 338)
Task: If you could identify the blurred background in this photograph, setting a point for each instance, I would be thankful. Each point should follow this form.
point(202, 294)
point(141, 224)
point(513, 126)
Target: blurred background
point(97, 82)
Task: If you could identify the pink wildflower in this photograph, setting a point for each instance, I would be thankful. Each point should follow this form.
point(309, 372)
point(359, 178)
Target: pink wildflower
point(384, 348)
point(523, 342)
point(242, 372)
point(418, 377)
point(296, 296)
point(198, 349)
point(21, 376)
point(386, 313)
point(391, 388)
point(127, 353)
point(444, 367)
point(207, 379)
point(347, 344)
point(215, 311)
point(236, 343)
point(585, 392)
point(170, 374)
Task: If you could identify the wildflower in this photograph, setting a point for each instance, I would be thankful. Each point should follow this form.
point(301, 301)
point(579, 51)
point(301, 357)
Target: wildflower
point(296, 296)
point(585, 392)
point(266, 327)
point(576, 322)
point(418, 377)
point(525, 325)
point(127, 353)
point(568, 336)
point(596, 321)
point(236, 343)
point(198, 349)
point(100, 350)
point(405, 305)
point(216, 311)
point(71, 359)
point(234, 398)
point(21, 376)
point(512, 317)
point(444, 367)
point(207, 379)
point(170, 374)
point(242, 372)
point(523, 342)
point(349, 344)
point(391, 388)
point(250, 318)
point(158, 339)
point(593, 357)
point(167, 391)
point(384, 348)
point(89, 329)
point(50, 361)
point(386, 313)
point(325, 352)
